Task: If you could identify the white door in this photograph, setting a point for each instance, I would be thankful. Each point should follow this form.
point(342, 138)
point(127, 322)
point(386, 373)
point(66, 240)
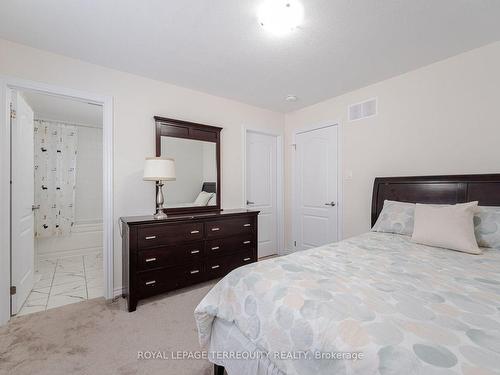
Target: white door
point(261, 185)
point(316, 188)
point(22, 195)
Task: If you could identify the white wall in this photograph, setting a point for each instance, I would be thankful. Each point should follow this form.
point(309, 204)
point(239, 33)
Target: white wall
point(440, 119)
point(188, 155)
point(209, 162)
point(136, 101)
point(195, 163)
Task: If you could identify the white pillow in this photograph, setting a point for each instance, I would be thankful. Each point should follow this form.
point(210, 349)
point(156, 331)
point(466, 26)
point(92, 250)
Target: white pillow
point(396, 217)
point(449, 226)
point(487, 226)
point(203, 198)
point(212, 201)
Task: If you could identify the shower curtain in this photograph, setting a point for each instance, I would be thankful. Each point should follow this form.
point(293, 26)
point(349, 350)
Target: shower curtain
point(55, 177)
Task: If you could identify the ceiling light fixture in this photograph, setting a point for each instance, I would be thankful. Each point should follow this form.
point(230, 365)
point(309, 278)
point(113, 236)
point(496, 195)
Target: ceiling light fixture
point(291, 98)
point(280, 16)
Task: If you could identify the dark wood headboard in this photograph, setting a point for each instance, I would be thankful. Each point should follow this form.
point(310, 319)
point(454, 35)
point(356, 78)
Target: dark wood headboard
point(209, 187)
point(484, 188)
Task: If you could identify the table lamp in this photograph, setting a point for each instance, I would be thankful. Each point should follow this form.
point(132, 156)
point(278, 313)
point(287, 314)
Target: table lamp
point(159, 169)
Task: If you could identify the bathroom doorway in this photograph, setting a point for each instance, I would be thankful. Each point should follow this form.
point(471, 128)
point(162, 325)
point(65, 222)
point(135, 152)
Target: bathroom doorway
point(56, 201)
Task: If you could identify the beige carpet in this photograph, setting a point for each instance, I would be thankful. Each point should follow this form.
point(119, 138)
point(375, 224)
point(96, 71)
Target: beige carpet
point(95, 337)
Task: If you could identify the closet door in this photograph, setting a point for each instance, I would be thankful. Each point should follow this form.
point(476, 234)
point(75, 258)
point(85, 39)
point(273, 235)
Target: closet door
point(23, 195)
point(261, 188)
point(316, 187)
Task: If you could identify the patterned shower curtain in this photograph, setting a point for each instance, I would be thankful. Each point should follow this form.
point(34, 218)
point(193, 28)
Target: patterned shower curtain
point(55, 177)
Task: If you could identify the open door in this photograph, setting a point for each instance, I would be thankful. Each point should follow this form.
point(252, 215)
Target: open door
point(22, 195)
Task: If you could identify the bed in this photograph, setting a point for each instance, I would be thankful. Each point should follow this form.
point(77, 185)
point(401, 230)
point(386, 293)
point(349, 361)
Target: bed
point(207, 187)
point(372, 304)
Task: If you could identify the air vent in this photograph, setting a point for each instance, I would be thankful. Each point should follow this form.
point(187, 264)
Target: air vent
point(362, 110)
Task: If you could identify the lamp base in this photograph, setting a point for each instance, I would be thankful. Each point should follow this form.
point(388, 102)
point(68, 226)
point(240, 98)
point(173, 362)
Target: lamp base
point(160, 215)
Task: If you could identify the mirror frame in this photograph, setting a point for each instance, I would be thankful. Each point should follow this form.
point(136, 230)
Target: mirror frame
point(167, 127)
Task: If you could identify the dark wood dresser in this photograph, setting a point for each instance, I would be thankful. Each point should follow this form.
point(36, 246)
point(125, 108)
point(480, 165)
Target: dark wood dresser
point(163, 255)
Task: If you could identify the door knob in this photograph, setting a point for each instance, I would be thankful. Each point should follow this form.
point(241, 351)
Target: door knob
point(35, 207)
point(330, 204)
point(248, 202)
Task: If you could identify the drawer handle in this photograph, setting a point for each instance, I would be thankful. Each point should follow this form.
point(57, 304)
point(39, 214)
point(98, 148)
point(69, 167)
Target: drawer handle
point(194, 271)
point(215, 229)
point(247, 225)
point(246, 242)
point(195, 251)
point(246, 259)
point(152, 282)
point(150, 260)
point(195, 231)
point(215, 248)
point(215, 267)
point(150, 237)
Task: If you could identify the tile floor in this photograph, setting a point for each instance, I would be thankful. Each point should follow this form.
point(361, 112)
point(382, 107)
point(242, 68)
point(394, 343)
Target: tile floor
point(63, 281)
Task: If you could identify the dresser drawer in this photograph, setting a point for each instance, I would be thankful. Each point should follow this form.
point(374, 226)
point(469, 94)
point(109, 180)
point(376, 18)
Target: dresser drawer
point(241, 259)
point(169, 256)
point(218, 267)
point(229, 227)
point(162, 280)
point(229, 245)
point(169, 234)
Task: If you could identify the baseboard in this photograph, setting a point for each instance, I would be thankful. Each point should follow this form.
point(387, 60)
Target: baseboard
point(70, 253)
point(117, 292)
point(269, 257)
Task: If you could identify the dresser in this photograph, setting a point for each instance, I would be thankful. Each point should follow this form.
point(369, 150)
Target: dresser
point(185, 249)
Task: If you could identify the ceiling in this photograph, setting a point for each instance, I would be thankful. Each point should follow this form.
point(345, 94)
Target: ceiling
point(218, 46)
point(49, 107)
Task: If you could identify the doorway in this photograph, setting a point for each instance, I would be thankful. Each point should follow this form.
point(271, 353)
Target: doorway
point(57, 244)
point(56, 194)
point(263, 188)
point(316, 188)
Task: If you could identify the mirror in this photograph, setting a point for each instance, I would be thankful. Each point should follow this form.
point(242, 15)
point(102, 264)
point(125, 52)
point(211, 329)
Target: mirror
point(195, 149)
point(196, 173)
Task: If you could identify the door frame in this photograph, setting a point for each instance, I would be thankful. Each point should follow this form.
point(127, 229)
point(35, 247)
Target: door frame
point(340, 200)
point(6, 84)
point(280, 177)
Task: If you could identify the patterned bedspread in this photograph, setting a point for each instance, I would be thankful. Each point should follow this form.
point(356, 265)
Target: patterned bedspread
point(407, 308)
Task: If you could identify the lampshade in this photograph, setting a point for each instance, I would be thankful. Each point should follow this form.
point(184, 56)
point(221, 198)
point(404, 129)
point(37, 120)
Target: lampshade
point(159, 169)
